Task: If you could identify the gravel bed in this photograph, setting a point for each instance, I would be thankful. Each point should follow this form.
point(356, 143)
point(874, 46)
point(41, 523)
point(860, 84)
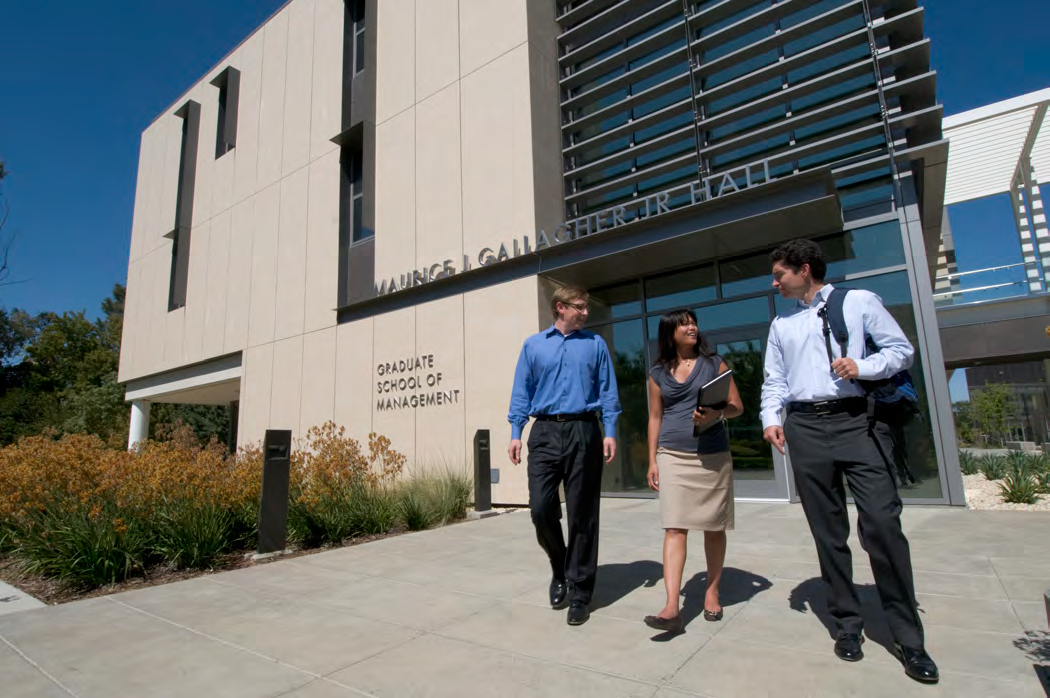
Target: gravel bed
point(982, 493)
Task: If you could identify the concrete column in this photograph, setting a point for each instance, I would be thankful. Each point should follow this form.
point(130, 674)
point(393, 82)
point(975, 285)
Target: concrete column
point(139, 430)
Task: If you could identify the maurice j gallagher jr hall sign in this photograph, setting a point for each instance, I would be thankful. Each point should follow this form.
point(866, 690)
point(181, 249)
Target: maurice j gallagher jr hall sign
point(705, 189)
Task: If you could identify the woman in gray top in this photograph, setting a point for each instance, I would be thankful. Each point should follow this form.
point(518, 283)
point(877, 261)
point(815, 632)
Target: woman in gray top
point(694, 475)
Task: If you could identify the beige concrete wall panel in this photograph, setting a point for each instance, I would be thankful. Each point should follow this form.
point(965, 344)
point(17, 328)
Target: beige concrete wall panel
point(322, 243)
point(439, 203)
point(204, 194)
point(488, 29)
point(138, 215)
point(130, 329)
point(256, 384)
point(174, 339)
point(154, 146)
point(437, 46)
point(286, 393)
point(169, 193)
point(157, 312)
point(298, 85)
point(327, 92)
point(271, 114)
point(263, 303)
point(440, 427)
point(395, 57)
point(248, 60)
point(291, 255)
point(497, 320)
point(354, 372)
point(498, 202)
point(548, 183)
point(318, 395)
point(395, 340)
point(239, 280)
point(224, 170)
point(395, 196)
point(219, 268)
point(196, 294)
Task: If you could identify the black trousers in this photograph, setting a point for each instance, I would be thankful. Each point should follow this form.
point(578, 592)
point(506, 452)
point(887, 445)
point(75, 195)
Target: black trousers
point(569, 452)
point(824, 449)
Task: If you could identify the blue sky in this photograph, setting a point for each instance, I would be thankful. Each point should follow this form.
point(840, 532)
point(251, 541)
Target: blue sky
point(82, 80)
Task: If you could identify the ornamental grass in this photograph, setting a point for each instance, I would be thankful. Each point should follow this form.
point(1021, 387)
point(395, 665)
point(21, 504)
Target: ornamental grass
point(74, 510)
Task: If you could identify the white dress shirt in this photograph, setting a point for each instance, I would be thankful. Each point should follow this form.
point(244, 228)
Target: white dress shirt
point(797, 367)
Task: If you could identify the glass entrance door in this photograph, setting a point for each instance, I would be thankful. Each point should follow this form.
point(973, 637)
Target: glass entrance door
point(756, 473)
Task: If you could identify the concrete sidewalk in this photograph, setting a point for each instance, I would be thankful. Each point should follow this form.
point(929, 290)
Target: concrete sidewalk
point(461, 611)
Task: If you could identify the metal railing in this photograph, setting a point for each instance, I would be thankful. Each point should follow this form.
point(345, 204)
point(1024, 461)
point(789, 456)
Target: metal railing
point(989, 284)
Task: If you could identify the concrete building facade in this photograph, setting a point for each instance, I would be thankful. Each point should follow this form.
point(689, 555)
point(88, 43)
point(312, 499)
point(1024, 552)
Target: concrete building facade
point(397, 187)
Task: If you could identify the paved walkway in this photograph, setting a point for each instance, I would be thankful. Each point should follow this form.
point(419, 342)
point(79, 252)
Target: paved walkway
point(460, 611)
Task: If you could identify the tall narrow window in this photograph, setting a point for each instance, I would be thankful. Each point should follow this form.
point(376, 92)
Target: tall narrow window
point(356, 236)
point(190, 113)
point(356, 16)
point(229, 84)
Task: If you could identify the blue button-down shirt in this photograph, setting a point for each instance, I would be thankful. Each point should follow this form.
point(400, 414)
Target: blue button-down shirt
point(564, 374)
point(797, 366)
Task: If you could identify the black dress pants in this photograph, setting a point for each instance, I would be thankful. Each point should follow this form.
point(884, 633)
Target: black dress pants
point(824, 448)
point(569, 452)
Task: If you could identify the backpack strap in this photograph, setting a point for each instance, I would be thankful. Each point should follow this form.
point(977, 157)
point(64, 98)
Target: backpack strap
point(836, 318)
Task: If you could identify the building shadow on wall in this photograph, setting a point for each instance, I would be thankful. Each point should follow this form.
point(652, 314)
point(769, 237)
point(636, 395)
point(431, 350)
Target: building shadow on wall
point(615, 581)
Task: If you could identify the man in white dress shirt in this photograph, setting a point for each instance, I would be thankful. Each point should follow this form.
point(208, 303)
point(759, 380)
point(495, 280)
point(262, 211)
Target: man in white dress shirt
point(830, 436)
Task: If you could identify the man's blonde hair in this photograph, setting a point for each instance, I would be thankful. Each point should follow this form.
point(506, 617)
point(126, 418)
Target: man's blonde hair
point(566, 295)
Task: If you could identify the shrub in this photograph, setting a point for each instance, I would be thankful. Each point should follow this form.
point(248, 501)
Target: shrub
point(1019, 488)
point(969, 463)
point(993, 467)
point(73, 509)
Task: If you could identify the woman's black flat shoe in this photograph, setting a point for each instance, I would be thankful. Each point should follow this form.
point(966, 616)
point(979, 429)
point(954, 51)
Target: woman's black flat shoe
point(667, 625)
point(713, 616)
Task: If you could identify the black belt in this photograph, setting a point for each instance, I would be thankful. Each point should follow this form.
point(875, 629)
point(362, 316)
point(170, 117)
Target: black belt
point(578, 417)
point(846, 404)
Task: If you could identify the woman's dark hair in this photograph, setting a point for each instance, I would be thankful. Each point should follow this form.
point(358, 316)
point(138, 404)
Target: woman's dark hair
point(797, 252)
point(668, 350)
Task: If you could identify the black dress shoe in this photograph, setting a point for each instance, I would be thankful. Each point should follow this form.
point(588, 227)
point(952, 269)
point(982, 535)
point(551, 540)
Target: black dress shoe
point(578, 613)
point(917, 664)
point(559, 592)
point(847, 647)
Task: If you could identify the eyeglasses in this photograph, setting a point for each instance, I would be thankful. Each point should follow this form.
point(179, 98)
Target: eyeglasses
point(579, 307)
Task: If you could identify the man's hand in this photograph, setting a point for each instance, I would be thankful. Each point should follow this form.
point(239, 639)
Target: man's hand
point(775, 436)
point(653, 476)
point(845, 368)
point(514, 451)
point(610, 449)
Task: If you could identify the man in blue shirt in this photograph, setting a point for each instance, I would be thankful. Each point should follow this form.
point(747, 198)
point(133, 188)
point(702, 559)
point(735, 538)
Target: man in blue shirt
point(565, 381)
point(831, 436)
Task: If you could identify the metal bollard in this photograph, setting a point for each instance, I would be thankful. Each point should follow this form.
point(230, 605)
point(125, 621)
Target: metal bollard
point(482, 471)
point(273, 507)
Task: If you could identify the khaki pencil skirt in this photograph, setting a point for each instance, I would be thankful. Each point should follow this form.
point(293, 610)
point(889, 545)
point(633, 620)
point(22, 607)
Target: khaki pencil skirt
point(696, 491)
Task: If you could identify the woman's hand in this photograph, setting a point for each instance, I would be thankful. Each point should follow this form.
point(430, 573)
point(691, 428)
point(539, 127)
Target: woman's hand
point(705, 417)
point(654, 477)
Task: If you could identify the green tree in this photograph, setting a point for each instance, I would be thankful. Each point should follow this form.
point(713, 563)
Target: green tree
point(966, 426)
point(994, 405)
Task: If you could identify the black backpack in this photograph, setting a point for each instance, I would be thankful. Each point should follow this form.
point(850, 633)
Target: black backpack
point(893, 401)
point(895, 398)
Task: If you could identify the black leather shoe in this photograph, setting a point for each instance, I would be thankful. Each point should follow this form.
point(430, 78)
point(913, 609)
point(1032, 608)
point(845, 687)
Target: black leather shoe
point(559, 592)
point(847, 647)
point(917, 664)
point(578, 613)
